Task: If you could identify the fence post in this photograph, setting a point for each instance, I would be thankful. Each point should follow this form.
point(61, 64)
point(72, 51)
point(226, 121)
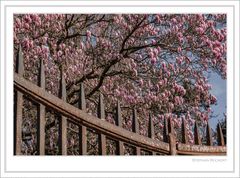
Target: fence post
point(63, 119)
point(135, 128)
point(101, 115)
point(220, 135)
point(165, 130)
point(41, 114)
point(82, 129)
point(184, 133)
point(151, 133)
point(209, 135)
point(197, 139)
point(119, 123)
point(170, 126)
point(18, 102)
point(172, 144)
point(150, 127)
point(172, 139)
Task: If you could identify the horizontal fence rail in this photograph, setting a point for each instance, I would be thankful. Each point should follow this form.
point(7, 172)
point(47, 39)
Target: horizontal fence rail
point(79, 116)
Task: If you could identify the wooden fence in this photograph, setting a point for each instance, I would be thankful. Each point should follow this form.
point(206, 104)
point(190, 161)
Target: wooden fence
point(83, 120)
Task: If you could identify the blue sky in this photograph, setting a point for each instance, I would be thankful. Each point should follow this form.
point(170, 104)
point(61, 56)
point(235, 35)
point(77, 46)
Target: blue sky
point(219, 90)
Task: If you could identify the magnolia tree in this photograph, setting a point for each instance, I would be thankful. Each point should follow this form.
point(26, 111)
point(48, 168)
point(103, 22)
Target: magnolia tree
point(157, 63)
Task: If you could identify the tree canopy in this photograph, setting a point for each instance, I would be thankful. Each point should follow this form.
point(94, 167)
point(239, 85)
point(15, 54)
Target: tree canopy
point(157, 63)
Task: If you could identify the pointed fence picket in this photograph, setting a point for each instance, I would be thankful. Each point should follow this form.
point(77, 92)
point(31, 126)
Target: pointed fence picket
point(197, 139)
point(82, 128)
point(101, 115)
point(18, 106)
point(119, 124)
point(41, 114)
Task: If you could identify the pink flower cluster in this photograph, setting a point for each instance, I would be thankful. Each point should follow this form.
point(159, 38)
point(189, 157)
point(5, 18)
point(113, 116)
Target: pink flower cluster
point(155, 62)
